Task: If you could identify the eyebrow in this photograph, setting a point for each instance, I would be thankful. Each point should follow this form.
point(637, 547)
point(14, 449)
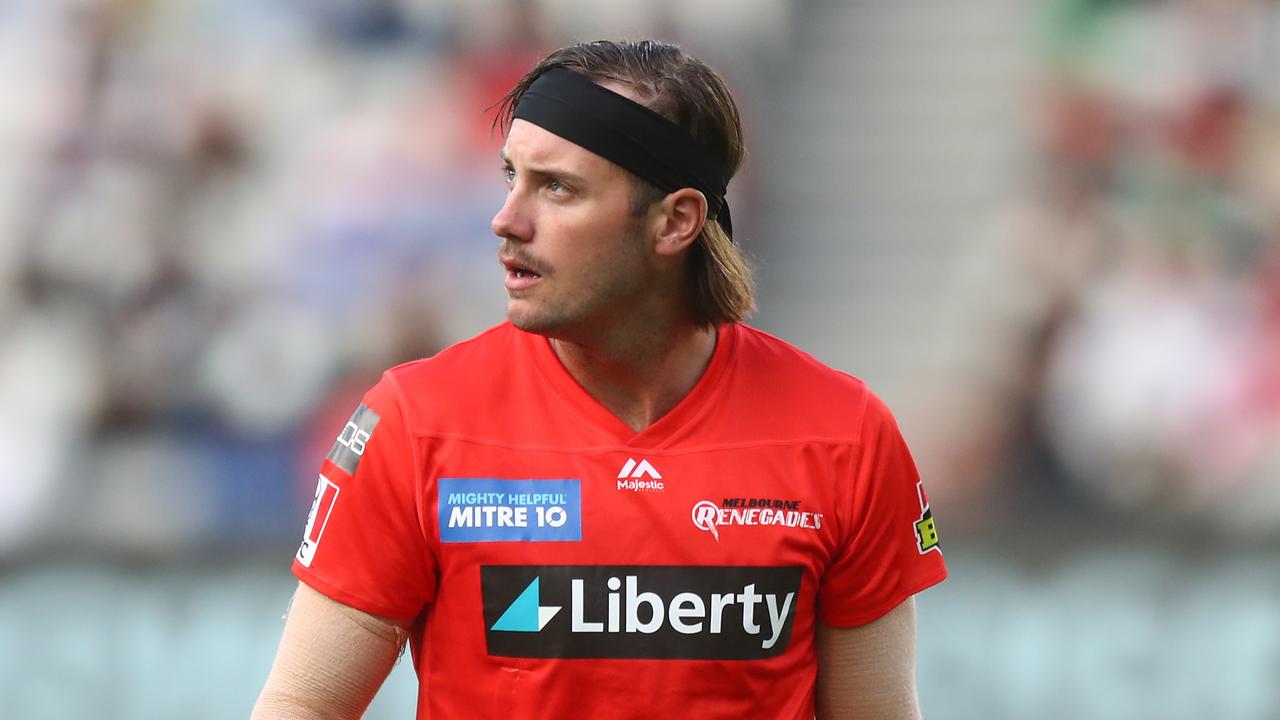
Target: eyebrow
point(547, 172)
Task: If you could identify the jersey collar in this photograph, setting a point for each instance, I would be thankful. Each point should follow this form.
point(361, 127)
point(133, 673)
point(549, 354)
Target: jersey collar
point(667, 429)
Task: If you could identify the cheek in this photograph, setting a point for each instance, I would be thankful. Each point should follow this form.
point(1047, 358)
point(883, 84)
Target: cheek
point(591, 238)
point(588, 239)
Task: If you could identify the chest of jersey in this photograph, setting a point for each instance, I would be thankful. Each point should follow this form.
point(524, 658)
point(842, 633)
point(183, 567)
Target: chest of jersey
point(705, 553)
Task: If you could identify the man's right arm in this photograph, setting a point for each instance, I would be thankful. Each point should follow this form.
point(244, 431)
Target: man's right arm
point(332, 660)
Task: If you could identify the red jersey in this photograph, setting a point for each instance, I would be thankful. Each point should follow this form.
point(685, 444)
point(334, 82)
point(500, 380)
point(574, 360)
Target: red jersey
point(560, 564)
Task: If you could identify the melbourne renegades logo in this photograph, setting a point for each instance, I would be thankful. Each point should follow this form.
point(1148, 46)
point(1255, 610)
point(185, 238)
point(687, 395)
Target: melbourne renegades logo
point(752, 512)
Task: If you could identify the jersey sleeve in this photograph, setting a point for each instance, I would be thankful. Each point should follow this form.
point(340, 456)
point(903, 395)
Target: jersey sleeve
point(364, 543)
point(890, 549)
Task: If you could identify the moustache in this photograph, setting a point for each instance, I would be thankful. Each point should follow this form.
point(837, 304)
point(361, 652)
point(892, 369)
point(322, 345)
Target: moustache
point(517, 255)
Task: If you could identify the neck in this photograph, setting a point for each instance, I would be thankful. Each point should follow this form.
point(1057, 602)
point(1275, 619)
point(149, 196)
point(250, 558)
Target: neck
point(639, 377)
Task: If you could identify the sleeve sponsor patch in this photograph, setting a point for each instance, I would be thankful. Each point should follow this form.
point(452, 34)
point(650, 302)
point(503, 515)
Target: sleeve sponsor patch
point(349, 447)
point(321, 508)
point(926, 531)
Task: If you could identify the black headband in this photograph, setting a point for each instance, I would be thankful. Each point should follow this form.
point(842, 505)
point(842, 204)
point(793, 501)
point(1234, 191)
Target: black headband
point(628, 134)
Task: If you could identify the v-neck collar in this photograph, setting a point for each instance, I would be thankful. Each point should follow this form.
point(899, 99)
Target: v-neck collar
point(666, 429)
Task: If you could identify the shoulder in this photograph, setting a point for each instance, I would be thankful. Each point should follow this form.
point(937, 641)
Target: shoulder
point(779, 367)
point(487, 348)
point(799, 391)
point(457, 376)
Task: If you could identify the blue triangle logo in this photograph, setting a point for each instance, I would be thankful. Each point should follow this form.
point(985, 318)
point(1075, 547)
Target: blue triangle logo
point(525, 614)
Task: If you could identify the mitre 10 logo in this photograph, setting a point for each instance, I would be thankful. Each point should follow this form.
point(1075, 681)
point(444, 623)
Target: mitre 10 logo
point(639, 611)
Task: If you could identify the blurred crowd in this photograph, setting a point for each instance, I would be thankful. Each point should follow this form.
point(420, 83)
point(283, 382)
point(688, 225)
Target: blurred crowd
point(220, 220)
point(1115, 329)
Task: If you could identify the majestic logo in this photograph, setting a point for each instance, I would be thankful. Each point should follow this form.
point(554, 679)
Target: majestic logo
point(640, 477)
point(708, 516)
point(349, 448)
point(495, 510)
point(635, 470)
point(926, 531)
point(317, 519)
point(639, 611)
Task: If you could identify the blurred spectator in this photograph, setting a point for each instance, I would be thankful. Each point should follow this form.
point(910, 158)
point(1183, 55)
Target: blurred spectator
point(1118, 325)
point(1016, 285)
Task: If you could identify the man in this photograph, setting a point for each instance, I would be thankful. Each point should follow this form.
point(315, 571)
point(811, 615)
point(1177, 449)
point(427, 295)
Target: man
point(622, 503)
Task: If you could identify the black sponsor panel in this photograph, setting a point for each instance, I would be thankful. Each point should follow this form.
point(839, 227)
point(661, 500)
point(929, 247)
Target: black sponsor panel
point(639, 611)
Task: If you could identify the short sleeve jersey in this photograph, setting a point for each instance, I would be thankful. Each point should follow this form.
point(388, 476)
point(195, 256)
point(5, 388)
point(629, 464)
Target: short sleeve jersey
point(558, 564)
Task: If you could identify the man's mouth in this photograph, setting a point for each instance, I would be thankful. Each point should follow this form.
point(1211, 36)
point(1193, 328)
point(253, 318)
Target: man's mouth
point(519, 276)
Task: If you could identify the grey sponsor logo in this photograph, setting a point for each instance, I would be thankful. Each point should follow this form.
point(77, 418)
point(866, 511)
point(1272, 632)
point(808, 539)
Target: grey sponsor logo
point(349, 447)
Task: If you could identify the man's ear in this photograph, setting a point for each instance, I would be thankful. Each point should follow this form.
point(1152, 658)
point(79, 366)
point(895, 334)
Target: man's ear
point(679, 218)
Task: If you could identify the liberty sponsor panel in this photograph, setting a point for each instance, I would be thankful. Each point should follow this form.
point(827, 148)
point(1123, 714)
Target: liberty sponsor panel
point(497, 510)
point(639, 611)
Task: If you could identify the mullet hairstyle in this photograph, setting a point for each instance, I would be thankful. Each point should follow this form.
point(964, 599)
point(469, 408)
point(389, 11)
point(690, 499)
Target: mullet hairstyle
point(687, 92)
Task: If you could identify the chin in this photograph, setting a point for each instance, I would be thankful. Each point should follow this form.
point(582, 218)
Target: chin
point(527, 319)
point(530, 319)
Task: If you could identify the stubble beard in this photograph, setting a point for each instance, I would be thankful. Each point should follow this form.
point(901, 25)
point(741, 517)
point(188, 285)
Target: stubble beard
point(575, 308)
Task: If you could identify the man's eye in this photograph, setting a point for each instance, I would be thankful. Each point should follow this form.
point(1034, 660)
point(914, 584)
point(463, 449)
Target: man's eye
point(555, 186)
point(509, 175)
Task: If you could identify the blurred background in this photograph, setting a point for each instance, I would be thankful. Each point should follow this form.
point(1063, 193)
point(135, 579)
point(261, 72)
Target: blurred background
point(1047, 233)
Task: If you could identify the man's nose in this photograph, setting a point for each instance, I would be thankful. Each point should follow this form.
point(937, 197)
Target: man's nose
point(512, 222)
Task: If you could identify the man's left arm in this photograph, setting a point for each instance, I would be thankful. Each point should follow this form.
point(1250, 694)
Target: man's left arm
point(868, 672)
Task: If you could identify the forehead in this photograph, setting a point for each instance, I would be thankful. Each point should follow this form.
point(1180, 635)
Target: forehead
point(532, 146)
